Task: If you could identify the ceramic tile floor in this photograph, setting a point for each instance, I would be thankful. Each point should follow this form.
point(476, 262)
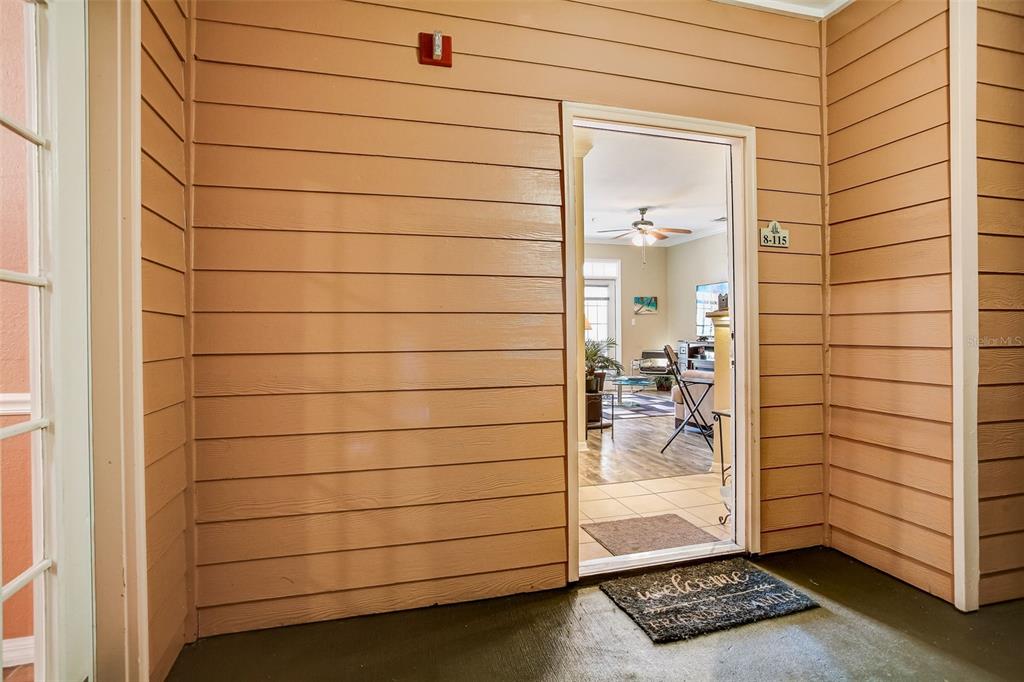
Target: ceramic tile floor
point(696, 498)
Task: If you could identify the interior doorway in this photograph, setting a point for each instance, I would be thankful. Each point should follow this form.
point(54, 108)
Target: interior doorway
point(662, 408)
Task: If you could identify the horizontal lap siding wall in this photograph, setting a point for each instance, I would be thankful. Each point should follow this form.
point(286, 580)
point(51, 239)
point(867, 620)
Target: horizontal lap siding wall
point(890, 364)
point(1001, 293)
point(378, 312)
point(164, 313)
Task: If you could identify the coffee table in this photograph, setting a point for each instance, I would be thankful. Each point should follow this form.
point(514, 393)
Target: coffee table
point(639, 382)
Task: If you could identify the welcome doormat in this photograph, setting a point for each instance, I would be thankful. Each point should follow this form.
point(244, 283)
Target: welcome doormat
point(646, 534)
point(694, 600)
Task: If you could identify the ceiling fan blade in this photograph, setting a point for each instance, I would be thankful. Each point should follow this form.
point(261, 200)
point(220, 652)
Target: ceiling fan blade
point(656, 234)
point(675, 230)
point(617, 229)
point(620, 236)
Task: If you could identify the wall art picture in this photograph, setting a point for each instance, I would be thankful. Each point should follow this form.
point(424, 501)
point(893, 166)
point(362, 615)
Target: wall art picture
point(645, 305)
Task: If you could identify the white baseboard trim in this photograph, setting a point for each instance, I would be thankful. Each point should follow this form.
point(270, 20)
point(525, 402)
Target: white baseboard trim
point(582, 446)
point(19, 651)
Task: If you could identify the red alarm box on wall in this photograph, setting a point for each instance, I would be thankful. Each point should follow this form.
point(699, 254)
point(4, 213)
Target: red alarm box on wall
point(435, 49)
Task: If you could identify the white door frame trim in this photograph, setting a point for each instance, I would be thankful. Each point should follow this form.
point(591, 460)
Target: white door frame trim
point(963, 186)
point(66, 640)
point(119, 534)
point(744, 298)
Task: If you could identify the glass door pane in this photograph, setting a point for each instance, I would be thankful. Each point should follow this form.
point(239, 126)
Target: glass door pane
point(22, 564)
point(18, 63)
point(18, 504)
point(19, 201)
point(599, 309)
point(596, 305)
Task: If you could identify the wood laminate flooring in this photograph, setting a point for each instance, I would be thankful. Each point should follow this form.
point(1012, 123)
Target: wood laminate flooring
point(633, 454)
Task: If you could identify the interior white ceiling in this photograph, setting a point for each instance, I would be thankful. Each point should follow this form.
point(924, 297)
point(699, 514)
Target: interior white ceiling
point(684, 183)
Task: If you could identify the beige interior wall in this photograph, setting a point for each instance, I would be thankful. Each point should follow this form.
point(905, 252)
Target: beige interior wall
point(639, 332)
point(890, 367)
point(701, 261)
point(378, 286)
point(165, 305)
point(1001, 304)
point(672, 275)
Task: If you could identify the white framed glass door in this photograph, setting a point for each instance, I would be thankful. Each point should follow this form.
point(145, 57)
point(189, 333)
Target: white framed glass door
point(599, 298)
point(601, 302)
point(45, 506)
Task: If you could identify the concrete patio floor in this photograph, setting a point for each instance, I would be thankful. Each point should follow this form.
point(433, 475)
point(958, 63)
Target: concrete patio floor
point(870, 626)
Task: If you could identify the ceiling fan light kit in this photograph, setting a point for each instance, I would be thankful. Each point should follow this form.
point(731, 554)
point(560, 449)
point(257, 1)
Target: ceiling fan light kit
point(643, 233)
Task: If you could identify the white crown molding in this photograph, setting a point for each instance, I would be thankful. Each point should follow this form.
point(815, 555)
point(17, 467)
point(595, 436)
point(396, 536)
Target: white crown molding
point(15, 404)
point(792, 9)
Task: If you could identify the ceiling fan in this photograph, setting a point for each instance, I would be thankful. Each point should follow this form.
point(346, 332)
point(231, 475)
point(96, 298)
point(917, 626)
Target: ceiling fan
point(644, 233)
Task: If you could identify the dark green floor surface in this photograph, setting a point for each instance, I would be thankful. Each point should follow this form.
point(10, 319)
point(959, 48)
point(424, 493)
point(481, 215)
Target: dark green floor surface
point(870, 627)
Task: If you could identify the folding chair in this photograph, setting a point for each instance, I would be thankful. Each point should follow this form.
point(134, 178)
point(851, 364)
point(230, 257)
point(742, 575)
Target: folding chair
point(692, 405)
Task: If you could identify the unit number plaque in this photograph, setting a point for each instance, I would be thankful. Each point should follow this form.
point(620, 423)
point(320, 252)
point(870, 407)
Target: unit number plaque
point(774, 236)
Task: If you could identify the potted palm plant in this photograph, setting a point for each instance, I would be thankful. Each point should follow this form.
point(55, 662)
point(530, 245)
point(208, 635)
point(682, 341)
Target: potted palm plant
point(597, 360)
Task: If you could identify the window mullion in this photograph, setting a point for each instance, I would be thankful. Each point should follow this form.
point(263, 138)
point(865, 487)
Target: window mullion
point(24, 132)
point(23, 427)
point(24, 578)
point(14, 277)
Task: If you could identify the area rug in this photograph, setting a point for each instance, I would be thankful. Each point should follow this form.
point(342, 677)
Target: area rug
point(641, 405)
point(629, 536)
point(701, 598)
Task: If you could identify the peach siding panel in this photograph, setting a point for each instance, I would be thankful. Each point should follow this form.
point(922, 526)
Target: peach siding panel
point(890, 384)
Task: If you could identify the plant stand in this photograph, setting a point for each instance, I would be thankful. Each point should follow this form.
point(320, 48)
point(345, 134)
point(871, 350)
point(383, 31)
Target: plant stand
point(595, 412)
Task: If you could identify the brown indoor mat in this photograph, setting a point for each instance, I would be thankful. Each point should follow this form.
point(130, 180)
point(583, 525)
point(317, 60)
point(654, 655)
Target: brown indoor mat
point(629, 536)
